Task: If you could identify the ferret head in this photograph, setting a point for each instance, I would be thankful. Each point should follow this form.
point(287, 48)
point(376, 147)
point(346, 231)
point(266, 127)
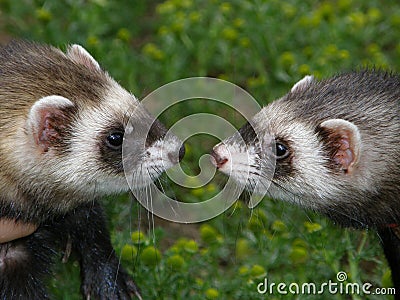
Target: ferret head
point(302, 160)
point(69, 136)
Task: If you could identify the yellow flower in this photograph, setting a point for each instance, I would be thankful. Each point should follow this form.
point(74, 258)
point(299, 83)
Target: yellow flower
point(344, 54)
point(331, 50)
point(208, 234)
point(289, 10)
point(243, 270)
point(229, 33)
point(138, 237)
point(128, 252)
point(43, 15)
point(163, 30)
point(312, 20)
point(299, 243)
point(374, 14)
point(176, 262)
point(304, 69)
point(191, 246)
point(326, 11)
point(298, 255)
point(124, 34)
point(150, 256)
point(152, 51)
point(244, 42)
point(373, 49)
point(260, 215)
point(357, 19)
point(194, 17)
point(197, 192)
point(225, 7)
point(211, 188)
point(258, 271)
point(199, 281)
point(344, 4)
point(238, 22)
point(395, 20)
point(243, 250)
point(312, 227)
point(279, 226)
point(179, 245)
point(287, 59)
point(387, 279)
point(92, 40)
point(255, 225)
point(256, 81)
point(165, 8)
point(184, 3)
point(177, 26)
point(212, 293)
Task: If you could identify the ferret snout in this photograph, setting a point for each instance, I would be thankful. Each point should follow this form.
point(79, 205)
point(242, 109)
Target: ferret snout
point(181, 154)
point(218, 157)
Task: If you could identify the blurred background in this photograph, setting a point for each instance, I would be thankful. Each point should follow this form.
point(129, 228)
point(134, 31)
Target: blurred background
point(264, 47)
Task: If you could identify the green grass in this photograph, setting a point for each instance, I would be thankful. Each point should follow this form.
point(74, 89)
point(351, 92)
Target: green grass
point(264, 47)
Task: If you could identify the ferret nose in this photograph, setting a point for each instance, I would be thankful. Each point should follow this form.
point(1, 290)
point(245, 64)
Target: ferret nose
point(217, 160)
point(181, 152)
point(177, 158)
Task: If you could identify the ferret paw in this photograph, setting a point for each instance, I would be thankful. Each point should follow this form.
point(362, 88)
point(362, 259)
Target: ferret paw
point(108, 284)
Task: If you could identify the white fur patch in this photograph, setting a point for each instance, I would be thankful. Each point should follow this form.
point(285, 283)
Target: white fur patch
point(85, 156)
point(80, 55)
point(308, 160)
point(302, 84)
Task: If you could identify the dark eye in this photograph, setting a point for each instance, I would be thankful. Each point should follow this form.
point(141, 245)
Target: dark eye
point(114, 140)
point(281, 151)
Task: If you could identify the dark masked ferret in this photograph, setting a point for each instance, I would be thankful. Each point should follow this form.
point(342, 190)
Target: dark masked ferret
point(63, 120)
point(335, 146)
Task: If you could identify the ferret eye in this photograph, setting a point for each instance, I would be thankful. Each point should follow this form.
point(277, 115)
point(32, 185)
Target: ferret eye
point(114, 140)
point(281, 151)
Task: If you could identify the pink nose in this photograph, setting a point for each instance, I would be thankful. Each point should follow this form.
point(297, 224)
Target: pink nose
point(218, 160)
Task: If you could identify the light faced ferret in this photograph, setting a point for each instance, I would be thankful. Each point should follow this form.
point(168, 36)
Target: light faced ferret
point(63, 121)
point(331, 146)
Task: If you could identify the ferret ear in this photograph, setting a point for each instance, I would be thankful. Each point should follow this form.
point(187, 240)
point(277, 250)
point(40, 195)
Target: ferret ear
point(48, 119)
point(79, 54)
point(302, 84)
point(343, 141)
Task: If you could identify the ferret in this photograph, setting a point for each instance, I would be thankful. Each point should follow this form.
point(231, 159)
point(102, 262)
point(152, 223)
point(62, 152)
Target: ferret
point(332, 146)
point(63, 119)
